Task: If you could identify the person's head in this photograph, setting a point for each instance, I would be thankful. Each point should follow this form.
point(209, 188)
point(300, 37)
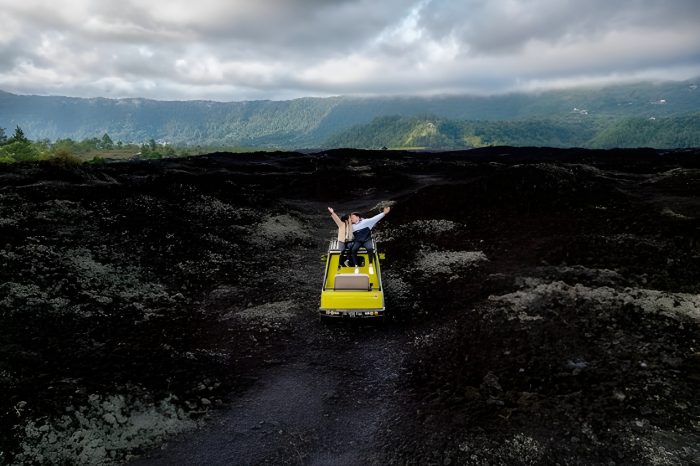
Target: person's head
point(355, 217)
point(345, 218)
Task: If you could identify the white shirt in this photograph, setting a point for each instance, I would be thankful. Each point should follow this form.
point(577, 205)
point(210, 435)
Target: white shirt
point(367, 222)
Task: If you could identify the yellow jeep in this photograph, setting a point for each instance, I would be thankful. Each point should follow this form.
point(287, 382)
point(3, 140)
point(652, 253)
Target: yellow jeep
point(352, 291)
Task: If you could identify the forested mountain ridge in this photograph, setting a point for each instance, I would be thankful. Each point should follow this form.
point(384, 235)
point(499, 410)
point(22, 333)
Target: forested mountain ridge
point(312, 122)
point(430, 132)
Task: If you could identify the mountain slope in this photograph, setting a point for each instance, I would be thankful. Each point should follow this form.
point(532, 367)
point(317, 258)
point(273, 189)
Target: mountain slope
point(308, 122)
point(582, 131)
point(681, 131)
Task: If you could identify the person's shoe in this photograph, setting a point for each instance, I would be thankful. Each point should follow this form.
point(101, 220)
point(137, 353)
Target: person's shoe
point(371, 270)
point(357, 270)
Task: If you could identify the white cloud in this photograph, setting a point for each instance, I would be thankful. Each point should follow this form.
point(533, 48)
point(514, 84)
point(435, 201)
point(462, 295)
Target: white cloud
point(146, 52)
point(342, 71)
point(203, 70)
point(239, 50)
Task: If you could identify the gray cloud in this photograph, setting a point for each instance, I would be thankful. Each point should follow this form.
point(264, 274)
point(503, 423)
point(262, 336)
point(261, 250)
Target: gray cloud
point(487, 26)
point(288, 48)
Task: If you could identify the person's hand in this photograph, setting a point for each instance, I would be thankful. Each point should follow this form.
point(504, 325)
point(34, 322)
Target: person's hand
point(386, 210)
point(330, 210)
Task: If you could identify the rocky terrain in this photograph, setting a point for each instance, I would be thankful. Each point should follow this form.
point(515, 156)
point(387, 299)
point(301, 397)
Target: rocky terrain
point(544, 308)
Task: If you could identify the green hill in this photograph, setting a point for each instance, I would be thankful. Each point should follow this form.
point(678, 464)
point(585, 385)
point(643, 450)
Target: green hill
point(437, 133)
point(670, 132)
point(310, 122)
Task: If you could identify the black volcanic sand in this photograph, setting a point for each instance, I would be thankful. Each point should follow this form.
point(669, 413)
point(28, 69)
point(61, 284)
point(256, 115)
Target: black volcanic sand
point(543, 308)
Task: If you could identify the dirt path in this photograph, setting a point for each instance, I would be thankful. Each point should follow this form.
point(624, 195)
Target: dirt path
point(322, 403)
point(323, 408)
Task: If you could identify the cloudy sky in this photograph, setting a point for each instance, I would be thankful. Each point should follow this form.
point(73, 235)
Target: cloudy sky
point(279, 49)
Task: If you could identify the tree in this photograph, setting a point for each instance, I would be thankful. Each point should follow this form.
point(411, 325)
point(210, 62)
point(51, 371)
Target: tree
point(106, 142)
point(3, 136)
point(18, 136)
point(21, 151)
point(19, 148)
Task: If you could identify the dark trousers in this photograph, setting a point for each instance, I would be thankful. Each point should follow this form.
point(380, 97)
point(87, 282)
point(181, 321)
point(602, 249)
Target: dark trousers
point(367, 244)
point(345, 253)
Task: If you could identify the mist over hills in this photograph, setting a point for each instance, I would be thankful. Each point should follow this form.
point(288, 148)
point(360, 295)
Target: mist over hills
point(581, 116)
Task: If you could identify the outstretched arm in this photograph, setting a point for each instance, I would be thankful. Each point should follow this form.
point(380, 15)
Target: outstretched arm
point(370, 222)
point(335, 217)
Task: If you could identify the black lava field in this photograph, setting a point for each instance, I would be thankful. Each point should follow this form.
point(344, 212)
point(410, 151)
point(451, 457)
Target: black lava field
point(543, 307)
